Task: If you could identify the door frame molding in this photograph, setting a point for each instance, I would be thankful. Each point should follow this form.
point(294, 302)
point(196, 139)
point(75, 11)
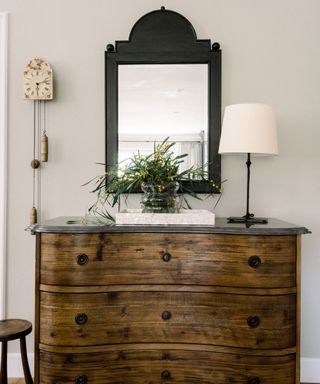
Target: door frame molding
point(3, 158)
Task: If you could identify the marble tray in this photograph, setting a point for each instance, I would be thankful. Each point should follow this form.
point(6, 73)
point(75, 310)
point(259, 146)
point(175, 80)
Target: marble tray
point(184, 217)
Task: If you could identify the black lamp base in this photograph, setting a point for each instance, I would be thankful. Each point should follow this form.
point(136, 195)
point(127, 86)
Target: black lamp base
point(248, 220)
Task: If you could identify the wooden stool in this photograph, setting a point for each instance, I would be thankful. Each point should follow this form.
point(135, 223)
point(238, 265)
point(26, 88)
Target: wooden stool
point(12, 330)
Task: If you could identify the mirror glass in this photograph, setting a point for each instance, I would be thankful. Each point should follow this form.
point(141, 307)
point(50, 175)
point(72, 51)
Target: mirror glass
point(156, 101)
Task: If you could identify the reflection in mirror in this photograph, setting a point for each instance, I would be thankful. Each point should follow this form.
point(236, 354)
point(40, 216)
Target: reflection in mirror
point(164, 100)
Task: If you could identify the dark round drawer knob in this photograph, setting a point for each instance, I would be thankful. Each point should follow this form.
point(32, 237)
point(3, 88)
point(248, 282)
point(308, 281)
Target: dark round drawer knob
point(81, 318)
point(166, 256)
point(81, 379)
point(165, 375)
point(82, 259)
point(253, 380)
point(166, 315)
point(254, 261)
point(253, 321)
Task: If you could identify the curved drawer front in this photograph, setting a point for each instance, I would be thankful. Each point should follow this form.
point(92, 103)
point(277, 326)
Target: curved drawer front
point(161, 366)
point(172, 317)
point(168, 258)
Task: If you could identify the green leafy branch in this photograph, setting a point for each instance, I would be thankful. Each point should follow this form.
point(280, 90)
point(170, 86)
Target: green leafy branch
point(158, 168)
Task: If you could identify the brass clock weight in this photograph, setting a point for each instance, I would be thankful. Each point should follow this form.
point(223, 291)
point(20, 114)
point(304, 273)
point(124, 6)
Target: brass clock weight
point(38, 86)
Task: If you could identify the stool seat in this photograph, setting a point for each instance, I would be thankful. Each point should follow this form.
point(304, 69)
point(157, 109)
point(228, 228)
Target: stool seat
point(12, 329)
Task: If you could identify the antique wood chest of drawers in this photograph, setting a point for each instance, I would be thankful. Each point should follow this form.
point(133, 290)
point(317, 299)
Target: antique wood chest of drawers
point(156, 305)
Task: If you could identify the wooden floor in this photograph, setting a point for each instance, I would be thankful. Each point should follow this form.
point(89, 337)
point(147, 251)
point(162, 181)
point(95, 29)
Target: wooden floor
point(21, 381)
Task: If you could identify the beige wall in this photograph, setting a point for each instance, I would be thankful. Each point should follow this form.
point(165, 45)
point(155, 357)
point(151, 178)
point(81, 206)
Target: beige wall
point(271, 54)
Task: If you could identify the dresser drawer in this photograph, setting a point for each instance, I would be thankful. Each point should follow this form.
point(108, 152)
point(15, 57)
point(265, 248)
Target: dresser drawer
point(168, 258)
point(173, 317)
point(152, 366)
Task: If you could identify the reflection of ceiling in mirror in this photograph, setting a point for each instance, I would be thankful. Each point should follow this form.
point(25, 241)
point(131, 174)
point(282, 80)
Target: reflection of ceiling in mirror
point(169, 99)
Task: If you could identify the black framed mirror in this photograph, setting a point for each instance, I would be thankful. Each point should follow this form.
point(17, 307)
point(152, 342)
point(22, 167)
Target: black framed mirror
point(164, 82)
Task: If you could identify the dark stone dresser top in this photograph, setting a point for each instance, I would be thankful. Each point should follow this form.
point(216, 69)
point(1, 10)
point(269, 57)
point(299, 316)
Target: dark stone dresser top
point(66, 224)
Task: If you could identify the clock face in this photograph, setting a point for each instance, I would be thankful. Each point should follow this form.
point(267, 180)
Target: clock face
point(37, 80)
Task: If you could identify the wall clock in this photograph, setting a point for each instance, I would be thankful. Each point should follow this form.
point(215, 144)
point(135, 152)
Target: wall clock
point(38, 87)
point(38, 80)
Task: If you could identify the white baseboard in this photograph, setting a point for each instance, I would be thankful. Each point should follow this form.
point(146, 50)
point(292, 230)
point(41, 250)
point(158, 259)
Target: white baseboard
point(310, 368)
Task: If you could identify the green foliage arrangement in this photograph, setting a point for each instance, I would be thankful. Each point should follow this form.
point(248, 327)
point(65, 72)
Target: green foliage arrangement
point(158, 168)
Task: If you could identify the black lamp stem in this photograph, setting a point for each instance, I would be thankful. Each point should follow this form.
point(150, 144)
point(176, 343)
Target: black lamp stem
point(248, 215)
point(248, 218)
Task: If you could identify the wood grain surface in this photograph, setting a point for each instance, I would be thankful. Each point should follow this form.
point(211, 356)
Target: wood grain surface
point(203, 318)
point(12, 329)
point(137, 258)
point(148, 366)
point(152, 308)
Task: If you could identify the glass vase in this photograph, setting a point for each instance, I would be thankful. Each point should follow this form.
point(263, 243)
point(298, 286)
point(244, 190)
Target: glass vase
point(160, 198)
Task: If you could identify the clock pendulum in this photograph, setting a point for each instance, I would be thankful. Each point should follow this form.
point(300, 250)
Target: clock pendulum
point(44, 138)
point(38, 86)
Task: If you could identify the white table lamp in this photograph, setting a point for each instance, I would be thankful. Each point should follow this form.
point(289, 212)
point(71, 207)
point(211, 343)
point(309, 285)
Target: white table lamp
point(251, 129)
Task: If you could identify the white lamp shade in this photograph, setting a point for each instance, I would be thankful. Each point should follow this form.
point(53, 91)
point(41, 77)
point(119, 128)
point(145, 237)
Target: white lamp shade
point(249, 128)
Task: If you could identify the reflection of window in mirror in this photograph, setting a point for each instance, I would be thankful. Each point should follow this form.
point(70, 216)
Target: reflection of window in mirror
point(164, 100)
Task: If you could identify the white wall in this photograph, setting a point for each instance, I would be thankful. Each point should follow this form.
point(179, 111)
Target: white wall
point(271, 54)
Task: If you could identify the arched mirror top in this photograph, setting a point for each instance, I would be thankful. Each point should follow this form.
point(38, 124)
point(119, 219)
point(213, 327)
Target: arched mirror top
point(163, 30)
point(168, 28)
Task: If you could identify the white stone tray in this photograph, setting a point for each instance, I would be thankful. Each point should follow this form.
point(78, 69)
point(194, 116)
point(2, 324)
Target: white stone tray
point(184, 217)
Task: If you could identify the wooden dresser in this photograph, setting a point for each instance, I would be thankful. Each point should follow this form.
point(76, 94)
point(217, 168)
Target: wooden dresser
point(156, 305)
